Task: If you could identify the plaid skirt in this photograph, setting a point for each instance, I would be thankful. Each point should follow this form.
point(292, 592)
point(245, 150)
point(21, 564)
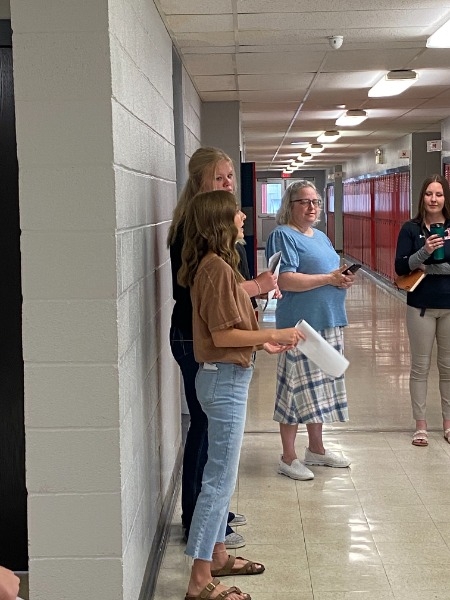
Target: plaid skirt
point(305, 394)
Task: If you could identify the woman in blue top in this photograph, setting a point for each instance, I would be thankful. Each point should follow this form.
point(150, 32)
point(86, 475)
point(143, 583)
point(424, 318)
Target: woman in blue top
point(314, 289)
point(428, 306)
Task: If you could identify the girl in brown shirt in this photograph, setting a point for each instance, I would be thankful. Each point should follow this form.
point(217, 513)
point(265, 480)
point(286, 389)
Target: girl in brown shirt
point(226, 335)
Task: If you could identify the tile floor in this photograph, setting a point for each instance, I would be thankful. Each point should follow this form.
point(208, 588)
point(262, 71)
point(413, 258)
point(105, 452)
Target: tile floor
point(379, 530)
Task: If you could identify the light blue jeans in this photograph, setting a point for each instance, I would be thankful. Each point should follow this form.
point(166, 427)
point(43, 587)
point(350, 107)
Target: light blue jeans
point(222, 390)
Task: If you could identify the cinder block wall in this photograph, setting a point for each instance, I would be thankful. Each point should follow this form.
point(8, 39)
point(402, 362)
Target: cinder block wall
point(97, 188)
point(145, 192)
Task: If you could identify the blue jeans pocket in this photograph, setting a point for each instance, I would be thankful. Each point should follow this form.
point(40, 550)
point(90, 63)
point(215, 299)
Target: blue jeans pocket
point(180, 346)
point(206, 383)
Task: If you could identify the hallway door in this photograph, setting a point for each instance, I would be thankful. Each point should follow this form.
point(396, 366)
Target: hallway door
point(13, 496)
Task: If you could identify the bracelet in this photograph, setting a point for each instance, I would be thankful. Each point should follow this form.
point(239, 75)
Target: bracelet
point(258, 286)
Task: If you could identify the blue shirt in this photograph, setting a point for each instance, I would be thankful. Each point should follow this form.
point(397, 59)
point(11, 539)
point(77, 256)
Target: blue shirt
point(321, 307)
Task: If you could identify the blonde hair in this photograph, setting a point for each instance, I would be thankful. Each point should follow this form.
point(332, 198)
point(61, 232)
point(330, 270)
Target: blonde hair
point(284, 214)
point(202, 169)
point(209, 227)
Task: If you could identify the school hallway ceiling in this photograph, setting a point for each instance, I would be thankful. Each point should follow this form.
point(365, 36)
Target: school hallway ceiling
point(275, 58)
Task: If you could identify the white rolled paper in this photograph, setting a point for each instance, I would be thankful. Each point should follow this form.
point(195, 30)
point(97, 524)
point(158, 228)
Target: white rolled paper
point(317, 349)
point(274, 266)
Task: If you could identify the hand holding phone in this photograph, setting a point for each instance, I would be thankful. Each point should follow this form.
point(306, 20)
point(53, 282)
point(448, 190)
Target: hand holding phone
point(352, 269)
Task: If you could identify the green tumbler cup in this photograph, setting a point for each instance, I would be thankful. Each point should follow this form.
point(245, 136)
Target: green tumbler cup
point(438, 229)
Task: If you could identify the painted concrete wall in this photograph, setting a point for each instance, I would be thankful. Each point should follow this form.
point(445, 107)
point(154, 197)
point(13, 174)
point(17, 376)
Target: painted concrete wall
point(94, 108)
point(145, 195)
point(416, 144)
point(445, 131)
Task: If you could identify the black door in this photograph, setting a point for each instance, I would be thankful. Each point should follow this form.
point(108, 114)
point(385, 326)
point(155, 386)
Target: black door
point(248, 203)
point(13, 495)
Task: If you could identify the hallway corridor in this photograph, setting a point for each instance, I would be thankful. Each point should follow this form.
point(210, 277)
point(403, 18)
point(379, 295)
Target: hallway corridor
point(379, 530)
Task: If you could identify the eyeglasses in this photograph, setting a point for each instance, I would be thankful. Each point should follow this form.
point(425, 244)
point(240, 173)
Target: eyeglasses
point(305, 202)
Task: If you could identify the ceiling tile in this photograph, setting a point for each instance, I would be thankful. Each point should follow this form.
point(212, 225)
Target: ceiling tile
point(275, 58)
point(213, 64)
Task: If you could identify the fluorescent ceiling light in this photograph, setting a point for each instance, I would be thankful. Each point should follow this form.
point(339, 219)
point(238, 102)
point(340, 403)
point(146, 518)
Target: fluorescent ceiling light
point(296, 164)
point(440, 38)
point(393, 83)
point(315, 148)
point(304, 156)
point(299, 143)
point(328, 137)
point(351, 118)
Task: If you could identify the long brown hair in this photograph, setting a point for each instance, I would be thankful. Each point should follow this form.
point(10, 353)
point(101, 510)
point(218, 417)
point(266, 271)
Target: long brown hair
point(209, 227)
point(436, 178)
point(202, 169)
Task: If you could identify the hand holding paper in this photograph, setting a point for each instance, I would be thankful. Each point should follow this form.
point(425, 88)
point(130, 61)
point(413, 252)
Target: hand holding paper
point(274, 266)
point(274, 263)
point(317, 349)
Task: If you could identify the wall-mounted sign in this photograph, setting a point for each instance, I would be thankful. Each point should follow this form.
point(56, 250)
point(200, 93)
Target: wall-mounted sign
point(404, 154)
point(434, 145)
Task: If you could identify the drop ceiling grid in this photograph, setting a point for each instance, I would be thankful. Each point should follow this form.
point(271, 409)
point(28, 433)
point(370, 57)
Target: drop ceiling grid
point(266, 53)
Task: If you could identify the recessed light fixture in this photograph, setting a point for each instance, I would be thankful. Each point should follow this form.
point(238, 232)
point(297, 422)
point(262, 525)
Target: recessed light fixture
point(328, 137)
point(296, 163)
point(315, 148)
point(351, 118)
point(304, 156)
point(393, 83)
point(440, 38)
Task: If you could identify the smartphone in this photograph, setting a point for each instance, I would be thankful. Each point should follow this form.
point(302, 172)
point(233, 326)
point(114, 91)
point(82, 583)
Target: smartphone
point(351, 269)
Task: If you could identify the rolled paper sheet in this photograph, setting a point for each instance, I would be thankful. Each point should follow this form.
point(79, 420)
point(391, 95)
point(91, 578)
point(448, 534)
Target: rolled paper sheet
point(274, 266)
point(317, 349)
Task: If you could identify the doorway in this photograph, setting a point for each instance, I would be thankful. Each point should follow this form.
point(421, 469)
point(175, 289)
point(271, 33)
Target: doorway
point(13, 495)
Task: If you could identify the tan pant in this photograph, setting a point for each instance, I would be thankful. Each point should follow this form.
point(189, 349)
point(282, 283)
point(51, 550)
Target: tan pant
point(422, 331)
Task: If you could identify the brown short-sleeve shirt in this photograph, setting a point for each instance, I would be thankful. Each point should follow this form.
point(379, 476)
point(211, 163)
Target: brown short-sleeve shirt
point(219, 302)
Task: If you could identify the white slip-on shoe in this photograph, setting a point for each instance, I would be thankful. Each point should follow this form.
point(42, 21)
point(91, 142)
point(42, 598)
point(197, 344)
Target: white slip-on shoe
point(238, 519)
point(329, 459)
point(296, 470)
point(234, 540)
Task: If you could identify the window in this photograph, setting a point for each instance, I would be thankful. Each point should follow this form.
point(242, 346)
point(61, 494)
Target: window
point(271, 194)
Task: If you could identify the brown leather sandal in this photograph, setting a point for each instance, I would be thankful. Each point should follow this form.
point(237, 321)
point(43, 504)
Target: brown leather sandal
point(250, 568)
point(420, 438)
point(205, 594)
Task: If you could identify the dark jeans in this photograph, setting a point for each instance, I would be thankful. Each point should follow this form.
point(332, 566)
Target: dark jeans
point(196, 446)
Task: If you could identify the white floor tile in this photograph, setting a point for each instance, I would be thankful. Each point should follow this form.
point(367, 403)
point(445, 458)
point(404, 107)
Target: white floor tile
point(379, 530)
